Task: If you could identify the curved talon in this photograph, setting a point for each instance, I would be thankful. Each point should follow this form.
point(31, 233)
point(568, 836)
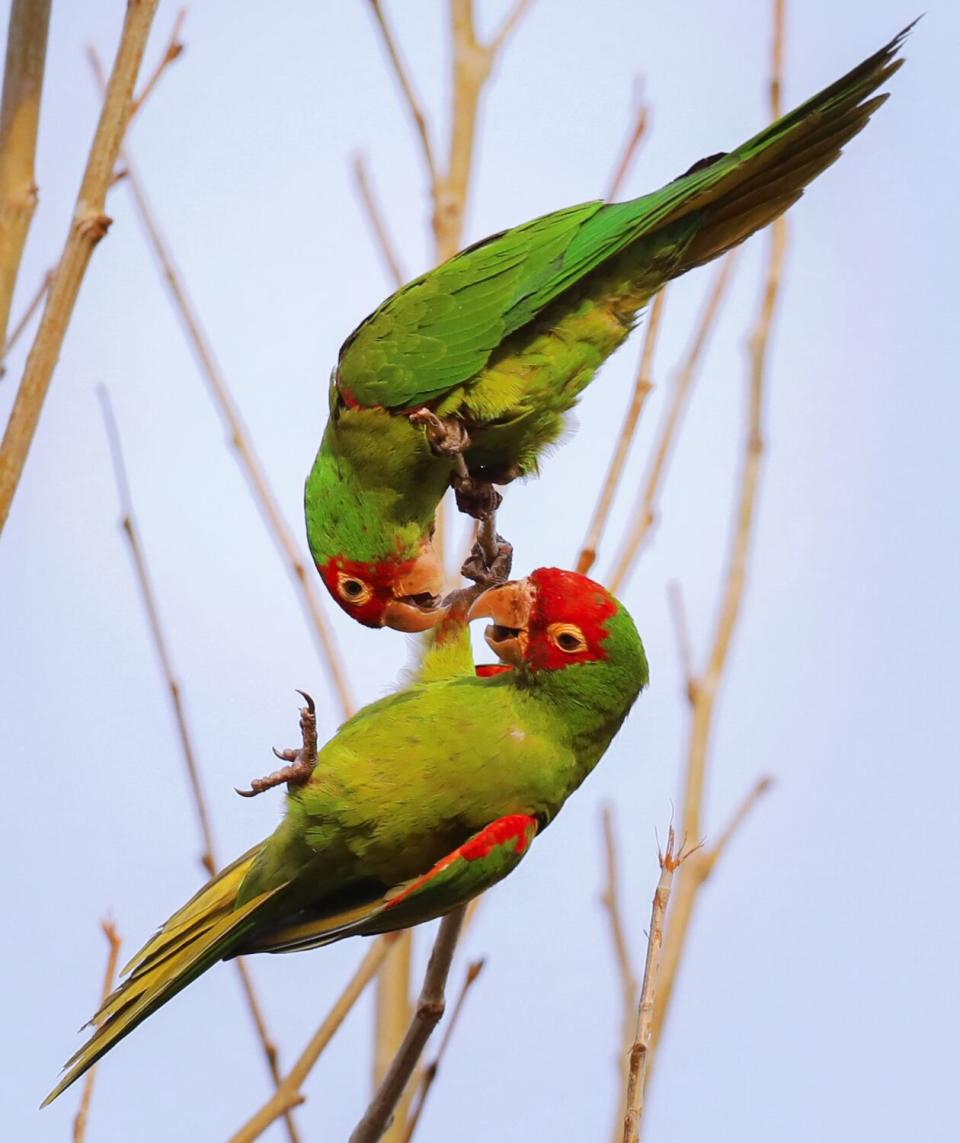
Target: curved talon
point(446, 436)
point(301, 762)
point(476, 568)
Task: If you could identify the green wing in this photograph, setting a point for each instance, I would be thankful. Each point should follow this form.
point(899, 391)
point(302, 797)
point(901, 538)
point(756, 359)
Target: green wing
point(439, 330)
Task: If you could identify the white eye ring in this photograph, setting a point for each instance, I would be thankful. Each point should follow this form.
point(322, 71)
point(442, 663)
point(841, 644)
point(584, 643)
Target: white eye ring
point(567, 637)
point(352, 590)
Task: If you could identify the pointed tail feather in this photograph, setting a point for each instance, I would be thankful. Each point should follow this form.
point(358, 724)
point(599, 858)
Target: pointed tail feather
point(204, 931)
point(738, 193)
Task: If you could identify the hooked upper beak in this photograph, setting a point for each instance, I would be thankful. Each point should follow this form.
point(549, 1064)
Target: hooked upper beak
point(416, 596)
point(509, 606)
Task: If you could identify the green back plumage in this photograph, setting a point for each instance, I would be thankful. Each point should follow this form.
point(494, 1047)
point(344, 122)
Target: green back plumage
point(439, 331)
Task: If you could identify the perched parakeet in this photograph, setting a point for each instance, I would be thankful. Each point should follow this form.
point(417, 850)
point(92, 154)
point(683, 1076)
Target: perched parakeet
point(463, 375)
point(419, 802)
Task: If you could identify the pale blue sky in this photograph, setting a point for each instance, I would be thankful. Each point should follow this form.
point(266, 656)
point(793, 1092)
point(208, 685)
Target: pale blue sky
point(819, 997)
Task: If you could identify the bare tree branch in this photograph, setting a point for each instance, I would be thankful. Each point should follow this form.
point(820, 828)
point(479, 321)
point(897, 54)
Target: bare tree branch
point(288, 1093)
point(238, 434)
point(430, 1071)
point(113, 952)
point(643, 1038)
point(24, 320)
point(88, 226)
point(429, 1010)
point(681, 384)
point(635, 136)
point(406, 86)
point(207, 857)
point(19, 116)
point(377, 225)
point(641, 390)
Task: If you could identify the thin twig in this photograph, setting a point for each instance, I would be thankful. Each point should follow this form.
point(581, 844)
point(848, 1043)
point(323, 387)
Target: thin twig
point(171, 52)
point(208, 856)
point(237, 432)
point(113, 953)
point(288, 1093)
point(506, 29)
point(636, 134)
point(409, 96)
point(32, 306)
point(19, 116)
point(628, 980)
point(702, 691)
point(681, 384)
point(377, 225)
point(88, 226)
point(429, 1010)
point(641, 390)
point(681, 629)
point(430, 1071)
point(643, 1038)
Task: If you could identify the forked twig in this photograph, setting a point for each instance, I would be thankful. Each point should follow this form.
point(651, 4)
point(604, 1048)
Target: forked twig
point(208, 857)
point(113, 953)
point(88, 226)
point(171, 52)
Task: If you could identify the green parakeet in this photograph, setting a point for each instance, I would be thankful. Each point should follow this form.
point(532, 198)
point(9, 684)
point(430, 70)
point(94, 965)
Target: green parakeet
point(464, 375)
point(419, 802)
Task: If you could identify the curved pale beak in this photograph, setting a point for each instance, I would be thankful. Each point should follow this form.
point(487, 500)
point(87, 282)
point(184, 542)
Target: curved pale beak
point(416, 595)
point(509, 606)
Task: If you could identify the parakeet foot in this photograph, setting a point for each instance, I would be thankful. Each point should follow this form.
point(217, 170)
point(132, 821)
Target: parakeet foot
point(476, 498)
point(301, 761)
point(445, 436)
point(485, 574)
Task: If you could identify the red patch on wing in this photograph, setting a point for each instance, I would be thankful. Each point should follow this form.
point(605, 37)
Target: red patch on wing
point(567, 597)
point(488, 670)
point(515, 827)
point(518, 828)
point(379, 578)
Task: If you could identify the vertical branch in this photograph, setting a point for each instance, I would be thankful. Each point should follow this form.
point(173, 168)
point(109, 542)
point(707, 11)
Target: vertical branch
point(430, 1008)
point(681, 385)
point(702, 691)
point(207, 857)
point(88, 226)
point(113, 953)
point(449, 189)
point(639, 1052)
point(19, 116)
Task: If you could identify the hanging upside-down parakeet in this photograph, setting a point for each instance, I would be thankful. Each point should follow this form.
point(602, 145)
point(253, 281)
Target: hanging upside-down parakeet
point(419, 802)
point(463, 375)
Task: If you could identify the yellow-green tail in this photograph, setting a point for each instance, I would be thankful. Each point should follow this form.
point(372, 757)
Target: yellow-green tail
point(206, 929)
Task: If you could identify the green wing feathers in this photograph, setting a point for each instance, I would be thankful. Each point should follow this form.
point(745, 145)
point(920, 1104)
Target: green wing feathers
point(439, 331)
point(205, 930)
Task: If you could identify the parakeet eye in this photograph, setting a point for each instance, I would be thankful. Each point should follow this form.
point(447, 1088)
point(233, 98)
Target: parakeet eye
point(567, 636)
point(351, 589)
